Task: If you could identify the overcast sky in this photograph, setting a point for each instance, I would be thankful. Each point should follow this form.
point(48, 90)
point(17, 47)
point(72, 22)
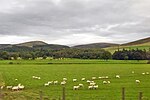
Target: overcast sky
point(71, 22)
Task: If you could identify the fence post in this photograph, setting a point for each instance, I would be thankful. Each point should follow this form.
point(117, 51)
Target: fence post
point(41, 95)
point(63, 95)
point(140, 95)
point(123, 93)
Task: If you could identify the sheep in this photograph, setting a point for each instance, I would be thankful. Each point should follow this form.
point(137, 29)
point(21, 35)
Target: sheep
point(108, 82)
point(50, 82)
point(39, 78)
point(16, 79)
point(106, 77)
point(90, 87)
point(83, 79)
point(64, 79)
point(143, 73)
point(137, 81)
point(2, 87)
point(100, 77)
point(33, 77)
point(46, 84)
point(75, 87)
point(95, 87)
point(92, 84)
point(9, 87)
point(81, 85)
point(15, 88)
point(147, 73)
point(93, 78)
point(63, 83)
point(104, 82)
point(117, 76)
point(55, 82)
point(132, 72)
point(88, 81)
point(21, 87)
point(74, 80)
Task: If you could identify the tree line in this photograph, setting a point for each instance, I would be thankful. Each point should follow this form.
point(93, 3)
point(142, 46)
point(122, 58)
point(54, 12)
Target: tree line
point(78, 53)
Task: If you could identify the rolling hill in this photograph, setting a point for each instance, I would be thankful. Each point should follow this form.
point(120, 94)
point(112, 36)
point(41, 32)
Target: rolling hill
point(96, 45)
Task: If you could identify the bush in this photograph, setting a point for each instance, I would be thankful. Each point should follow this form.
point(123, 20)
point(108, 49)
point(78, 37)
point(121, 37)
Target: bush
point(148, 62)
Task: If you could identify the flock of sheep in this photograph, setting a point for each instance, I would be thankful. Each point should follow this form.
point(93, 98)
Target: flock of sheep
point(92, 85)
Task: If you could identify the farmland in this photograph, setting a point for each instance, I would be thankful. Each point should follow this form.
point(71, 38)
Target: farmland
point(48, 70)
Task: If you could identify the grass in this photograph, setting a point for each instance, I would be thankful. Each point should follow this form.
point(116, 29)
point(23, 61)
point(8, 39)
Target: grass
point(26, 69)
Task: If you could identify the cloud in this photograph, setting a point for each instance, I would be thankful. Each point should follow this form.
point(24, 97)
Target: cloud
point(60, 21)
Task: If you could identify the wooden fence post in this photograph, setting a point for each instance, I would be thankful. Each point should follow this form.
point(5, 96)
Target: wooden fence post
point(140, 95)
point(41, 95)
point(123, 93)
point(63, 95)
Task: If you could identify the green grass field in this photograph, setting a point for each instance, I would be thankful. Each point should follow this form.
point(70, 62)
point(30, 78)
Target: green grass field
point(57, 69)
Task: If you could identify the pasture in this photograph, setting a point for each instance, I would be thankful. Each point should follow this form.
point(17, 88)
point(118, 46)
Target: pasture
point(57, 70)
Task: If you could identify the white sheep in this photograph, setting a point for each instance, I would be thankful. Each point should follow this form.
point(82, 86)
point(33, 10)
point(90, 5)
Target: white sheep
point(55, 82)
point(63, 83)
point(50, 82)
point(95, 87)
point(74, 80)
point(9, 87)
point(16, 79)
point(46, 84)
point(81, 85)
point(75, 87)
point(100, 77)
point(15, 88)
point(132, 72)
point(21, 87)
point(117, 76)
point(147, 73)
point(137, 81)
point(88, 81)
point(90, 87)
point(64, 79)
point(104, 82)
point(143, 73)
point(92, 84)
point(108, 82)
point(93, 78)
point(83, 79)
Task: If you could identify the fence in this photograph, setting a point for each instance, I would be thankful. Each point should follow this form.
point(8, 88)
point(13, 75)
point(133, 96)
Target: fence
point(63, 97)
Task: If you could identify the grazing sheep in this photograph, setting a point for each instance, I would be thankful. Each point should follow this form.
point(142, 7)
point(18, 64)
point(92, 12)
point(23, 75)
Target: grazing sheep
point(63, 83)
point(104, 82)
point(46, 84)
point(137, 81)
point(132, 72)
point(143, 73)
point(55, 82)
point(21, 87)
point(9, 87)
point(108, 82)
point(2, 87)
point(92, 84)
point(106, 77)
point(147, 73)
point(81, 85)
point(95, 87)
point(50, 82)
point(16, 79)
point(83, 79)
point(90, 87)
point(100, 77)
point(117, 76)
point(88, 81)
point(93, 78)
point(75, 87)
point(64, 79)
point(39, 78)
point(74, 80)
point(15, 88)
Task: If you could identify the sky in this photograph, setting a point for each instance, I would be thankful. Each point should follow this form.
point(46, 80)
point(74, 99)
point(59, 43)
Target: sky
point(73, 22)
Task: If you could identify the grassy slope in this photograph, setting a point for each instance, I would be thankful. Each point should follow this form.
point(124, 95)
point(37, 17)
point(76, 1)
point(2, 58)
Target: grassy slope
point(139, 46)
point(24, 73)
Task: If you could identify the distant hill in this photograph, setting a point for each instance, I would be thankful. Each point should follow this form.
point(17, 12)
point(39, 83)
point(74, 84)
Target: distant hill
point(2, 46)
point(30, 46)
point(138, 42)
point(31, 43)
point(96, 45)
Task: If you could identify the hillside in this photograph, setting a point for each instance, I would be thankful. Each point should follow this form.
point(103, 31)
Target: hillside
point(31, 43)
point(95, 45)
point(138, 42)
point(2, 46)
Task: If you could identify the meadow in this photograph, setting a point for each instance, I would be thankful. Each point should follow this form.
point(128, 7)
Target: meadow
point(49, 70)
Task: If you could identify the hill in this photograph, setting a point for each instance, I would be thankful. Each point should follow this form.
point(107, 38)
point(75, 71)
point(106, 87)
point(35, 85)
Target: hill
point(138, 42)
point(96, 45)
point(2, 46)
point(31, 43)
